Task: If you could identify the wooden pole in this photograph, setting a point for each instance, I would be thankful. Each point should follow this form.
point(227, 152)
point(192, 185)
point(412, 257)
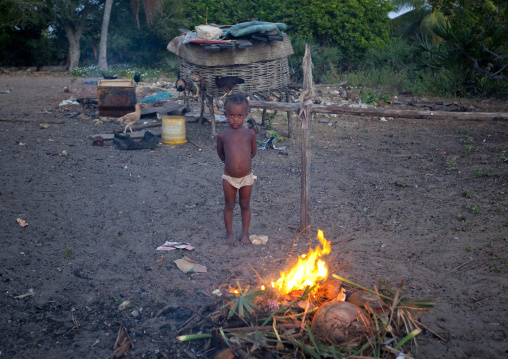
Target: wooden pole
point(290, 121)
point(212, 114)
point(202, 108)
point(305, 117)
point(388, 112)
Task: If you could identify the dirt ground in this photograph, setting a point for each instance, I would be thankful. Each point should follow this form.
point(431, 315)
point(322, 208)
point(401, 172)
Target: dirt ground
point(388, 195)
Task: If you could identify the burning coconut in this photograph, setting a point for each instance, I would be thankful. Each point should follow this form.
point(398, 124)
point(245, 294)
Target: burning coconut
point(346, 319)
point(336, 321)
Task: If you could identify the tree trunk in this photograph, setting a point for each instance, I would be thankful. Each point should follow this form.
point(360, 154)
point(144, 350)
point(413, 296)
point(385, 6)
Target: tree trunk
point(73, 36)
point(103, 61)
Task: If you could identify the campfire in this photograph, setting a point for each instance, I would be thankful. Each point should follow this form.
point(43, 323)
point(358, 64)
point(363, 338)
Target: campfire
point(310, 312)
point(308, 271)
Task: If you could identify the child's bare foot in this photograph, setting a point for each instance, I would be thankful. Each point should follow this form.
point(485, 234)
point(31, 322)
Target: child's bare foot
point(230, 240)
point(245, 240)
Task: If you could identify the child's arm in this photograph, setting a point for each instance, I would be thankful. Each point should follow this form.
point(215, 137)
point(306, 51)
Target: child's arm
point(220, 148)
point(253, 144)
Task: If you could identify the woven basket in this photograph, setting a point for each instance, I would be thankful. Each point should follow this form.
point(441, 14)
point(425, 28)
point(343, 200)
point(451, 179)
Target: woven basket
point(258, 76)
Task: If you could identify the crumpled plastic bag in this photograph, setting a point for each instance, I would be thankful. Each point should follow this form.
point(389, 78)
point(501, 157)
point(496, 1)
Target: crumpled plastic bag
point(158, 97)
point(70, 101)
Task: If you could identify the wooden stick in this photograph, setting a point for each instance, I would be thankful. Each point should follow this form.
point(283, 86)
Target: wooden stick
point(290, 118)
point(462, 265)
point(212, 114)
point(188, 139)
point(331, 85)
point(202, 108)
point(57, 122)
point(148, 125)
point(268, 327)
point(305, 117)
point(284, 106)
point(201, 315)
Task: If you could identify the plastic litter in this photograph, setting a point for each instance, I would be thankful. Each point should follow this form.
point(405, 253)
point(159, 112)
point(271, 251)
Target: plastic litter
point(269, 145)
point(70, 101)
point(158, 97)
point(169, 246)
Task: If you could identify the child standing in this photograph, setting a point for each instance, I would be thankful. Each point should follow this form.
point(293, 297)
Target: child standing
point(236, 146)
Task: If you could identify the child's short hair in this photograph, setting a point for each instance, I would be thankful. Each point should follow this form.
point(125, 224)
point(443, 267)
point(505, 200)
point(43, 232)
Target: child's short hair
point(237, 99)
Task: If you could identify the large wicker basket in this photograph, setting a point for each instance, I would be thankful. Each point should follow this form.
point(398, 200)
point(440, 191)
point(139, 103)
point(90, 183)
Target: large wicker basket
point(264, 66)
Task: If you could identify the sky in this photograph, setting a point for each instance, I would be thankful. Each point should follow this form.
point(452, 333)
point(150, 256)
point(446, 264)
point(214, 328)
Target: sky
point(393, 14)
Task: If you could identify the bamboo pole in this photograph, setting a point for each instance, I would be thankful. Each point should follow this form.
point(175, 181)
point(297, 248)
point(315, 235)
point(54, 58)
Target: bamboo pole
point(387, 112)
point(305, 117)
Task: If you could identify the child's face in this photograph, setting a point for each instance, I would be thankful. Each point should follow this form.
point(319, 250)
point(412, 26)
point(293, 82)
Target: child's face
point(236, 114)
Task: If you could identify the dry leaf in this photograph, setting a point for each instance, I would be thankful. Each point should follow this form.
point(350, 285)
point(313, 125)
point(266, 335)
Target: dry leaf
point(187, 265)
point(124, 304)
point(21, 222)
point(225, 354)
point(122, 344)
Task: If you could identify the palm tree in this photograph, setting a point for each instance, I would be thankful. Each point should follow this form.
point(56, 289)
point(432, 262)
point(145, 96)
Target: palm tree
point(420, 19)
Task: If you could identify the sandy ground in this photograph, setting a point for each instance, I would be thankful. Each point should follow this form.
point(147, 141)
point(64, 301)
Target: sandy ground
point(388, 195)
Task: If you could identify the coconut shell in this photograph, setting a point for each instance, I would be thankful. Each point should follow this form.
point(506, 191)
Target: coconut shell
point(328, 291)
point(339, 322)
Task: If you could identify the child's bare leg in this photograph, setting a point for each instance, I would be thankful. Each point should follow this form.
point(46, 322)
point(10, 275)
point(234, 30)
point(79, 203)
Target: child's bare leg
point(229, 205)
point(244, 199)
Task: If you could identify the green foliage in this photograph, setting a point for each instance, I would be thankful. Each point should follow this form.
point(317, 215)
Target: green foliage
point(474, 209)
point(391, 54)
point(244, 303)
point(23, 15)
point(456, 48)
point(370, 96)
point(278, 137)
point(380, 77)
point(147, 73)
point(475, 34)
point(479, 173)
point(501, 158)
point(452, 164)
point(325, 59)
point(403, 184)
point(353, 26)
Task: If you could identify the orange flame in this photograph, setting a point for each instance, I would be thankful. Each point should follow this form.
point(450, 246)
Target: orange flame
point(308, 271)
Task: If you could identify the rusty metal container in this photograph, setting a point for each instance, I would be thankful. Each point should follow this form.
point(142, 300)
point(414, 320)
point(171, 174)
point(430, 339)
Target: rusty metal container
point(116, 97)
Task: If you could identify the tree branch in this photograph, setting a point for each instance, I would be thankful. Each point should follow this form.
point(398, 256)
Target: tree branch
point(475, 62)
